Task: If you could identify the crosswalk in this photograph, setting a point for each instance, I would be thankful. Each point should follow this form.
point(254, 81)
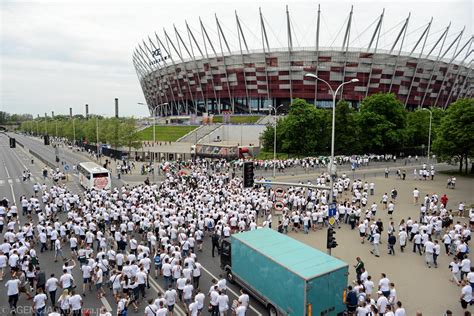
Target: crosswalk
point(9, 181)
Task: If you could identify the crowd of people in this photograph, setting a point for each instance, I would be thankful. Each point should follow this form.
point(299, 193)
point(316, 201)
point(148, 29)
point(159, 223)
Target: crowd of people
point(122, 239)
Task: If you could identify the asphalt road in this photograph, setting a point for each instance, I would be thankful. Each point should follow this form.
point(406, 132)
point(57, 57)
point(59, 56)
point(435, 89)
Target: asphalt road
point(14, 161)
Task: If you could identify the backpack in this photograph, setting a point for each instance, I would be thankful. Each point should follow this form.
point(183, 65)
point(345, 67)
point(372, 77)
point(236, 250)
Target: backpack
point(157, 260)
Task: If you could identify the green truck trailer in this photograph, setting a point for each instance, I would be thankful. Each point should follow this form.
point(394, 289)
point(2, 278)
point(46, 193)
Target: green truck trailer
point(285, 275)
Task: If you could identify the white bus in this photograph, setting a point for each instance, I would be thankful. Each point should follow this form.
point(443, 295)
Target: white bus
point(93, 176)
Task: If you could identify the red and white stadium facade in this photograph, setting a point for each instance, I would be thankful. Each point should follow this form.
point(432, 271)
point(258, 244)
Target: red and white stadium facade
point(181, 75)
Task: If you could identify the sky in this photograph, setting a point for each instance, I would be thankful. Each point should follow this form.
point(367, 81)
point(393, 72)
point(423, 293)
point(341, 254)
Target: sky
point(60, 54)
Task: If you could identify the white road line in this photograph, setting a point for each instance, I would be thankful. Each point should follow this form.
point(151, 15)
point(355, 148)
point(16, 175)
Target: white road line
point(10, 181)
point(17, 180)
point(158, 288)
point(230, 290)
point(6, 170)
point(106, 304)
point(13, 194)
point(2, 182)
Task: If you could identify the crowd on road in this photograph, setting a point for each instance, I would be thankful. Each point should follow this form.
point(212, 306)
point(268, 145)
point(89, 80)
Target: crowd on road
point(122, 239)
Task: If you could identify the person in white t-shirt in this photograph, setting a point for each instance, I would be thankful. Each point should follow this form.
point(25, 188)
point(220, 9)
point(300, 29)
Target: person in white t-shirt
point(382, 303)
point(416, 196)
point(151, 309)
point(223, 303)
point(13, 289)
point(466, 294)
point(399, 310)
point(39, 302)
point(75, 303)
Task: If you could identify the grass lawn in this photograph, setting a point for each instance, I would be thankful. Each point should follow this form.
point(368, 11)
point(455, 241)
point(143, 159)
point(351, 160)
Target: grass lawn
point(239, 119)
point(165, 133)
point(455, 172)
point(265, 155)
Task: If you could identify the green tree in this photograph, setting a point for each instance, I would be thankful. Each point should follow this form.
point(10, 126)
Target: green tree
point(347, 130)
point(455, 134)
point(129, 135)
point(382, 122)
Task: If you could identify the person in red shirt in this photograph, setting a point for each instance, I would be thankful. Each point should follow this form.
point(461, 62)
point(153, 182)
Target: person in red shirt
point(444, 200)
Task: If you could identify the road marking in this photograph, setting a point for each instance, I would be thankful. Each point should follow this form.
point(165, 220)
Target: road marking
point(17, 180)
point(2, 182)
point(106, 304)
point(230, 290)
point(6, 170)
point(13, 193)
point(158, 288)
point(10, 181)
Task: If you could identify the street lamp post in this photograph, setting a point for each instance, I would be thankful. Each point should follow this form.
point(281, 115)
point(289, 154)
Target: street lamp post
point(332, 168)
point(275, 136)
point(429, 136)
point(153, 113)
point(97, 134)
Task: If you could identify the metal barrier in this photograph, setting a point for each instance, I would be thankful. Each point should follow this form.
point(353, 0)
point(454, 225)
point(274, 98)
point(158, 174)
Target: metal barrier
point(43, 160)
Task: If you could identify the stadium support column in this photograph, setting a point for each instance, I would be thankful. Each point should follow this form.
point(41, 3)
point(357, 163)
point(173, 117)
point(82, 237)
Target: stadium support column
point(241, 37)
point(457, 41)
point(191, 36)
point(375, 37)
point(148, 65)
point(402, 31)
point(456, 81)
point(204, 36)
point(317, 56)
point(87, 111)
point(148, 70)
point(455, 55)
point(345, 48)
point(442, 39)
point(166, 77)
point(175, 104)
point(195, 72)
point(176, 80)
point(221, 33)
point(424, 35)
point(465, 84)
point(290, 48)
point(70, 112)
point(265, 41)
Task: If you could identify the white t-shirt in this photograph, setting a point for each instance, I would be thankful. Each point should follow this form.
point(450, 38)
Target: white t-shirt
point(223, 302)
point(467, 292)
point(384, 284)
point(40, 300)
point(12, 286)
point(75, 302)
point(170, 297)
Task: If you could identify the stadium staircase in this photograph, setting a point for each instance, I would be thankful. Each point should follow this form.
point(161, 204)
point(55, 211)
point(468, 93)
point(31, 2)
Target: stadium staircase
point(199, 133)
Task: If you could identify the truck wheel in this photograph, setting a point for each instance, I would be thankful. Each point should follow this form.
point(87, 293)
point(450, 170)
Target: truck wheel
point(230, 277)
point(272, 310)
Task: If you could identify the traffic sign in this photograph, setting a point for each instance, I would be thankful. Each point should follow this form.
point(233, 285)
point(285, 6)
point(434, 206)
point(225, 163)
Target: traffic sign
point(279, 207)
point(267, 184)
point(279, 192)
point(332, 220)
point(332, 210)
point(66, 167)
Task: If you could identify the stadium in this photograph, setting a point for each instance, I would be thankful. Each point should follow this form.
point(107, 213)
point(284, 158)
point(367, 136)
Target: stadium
point(200, 71)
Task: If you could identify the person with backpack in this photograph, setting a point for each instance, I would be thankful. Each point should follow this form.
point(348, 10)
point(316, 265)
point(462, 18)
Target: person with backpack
point(351, 301)
point(158, 264)
point(392, 240)
point(215, 243)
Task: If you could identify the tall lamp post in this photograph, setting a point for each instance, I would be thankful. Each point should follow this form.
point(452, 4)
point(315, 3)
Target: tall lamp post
point(153, 113)
point(275, 136)
point(97, 134)
point(429, 136)
point(332, 168)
